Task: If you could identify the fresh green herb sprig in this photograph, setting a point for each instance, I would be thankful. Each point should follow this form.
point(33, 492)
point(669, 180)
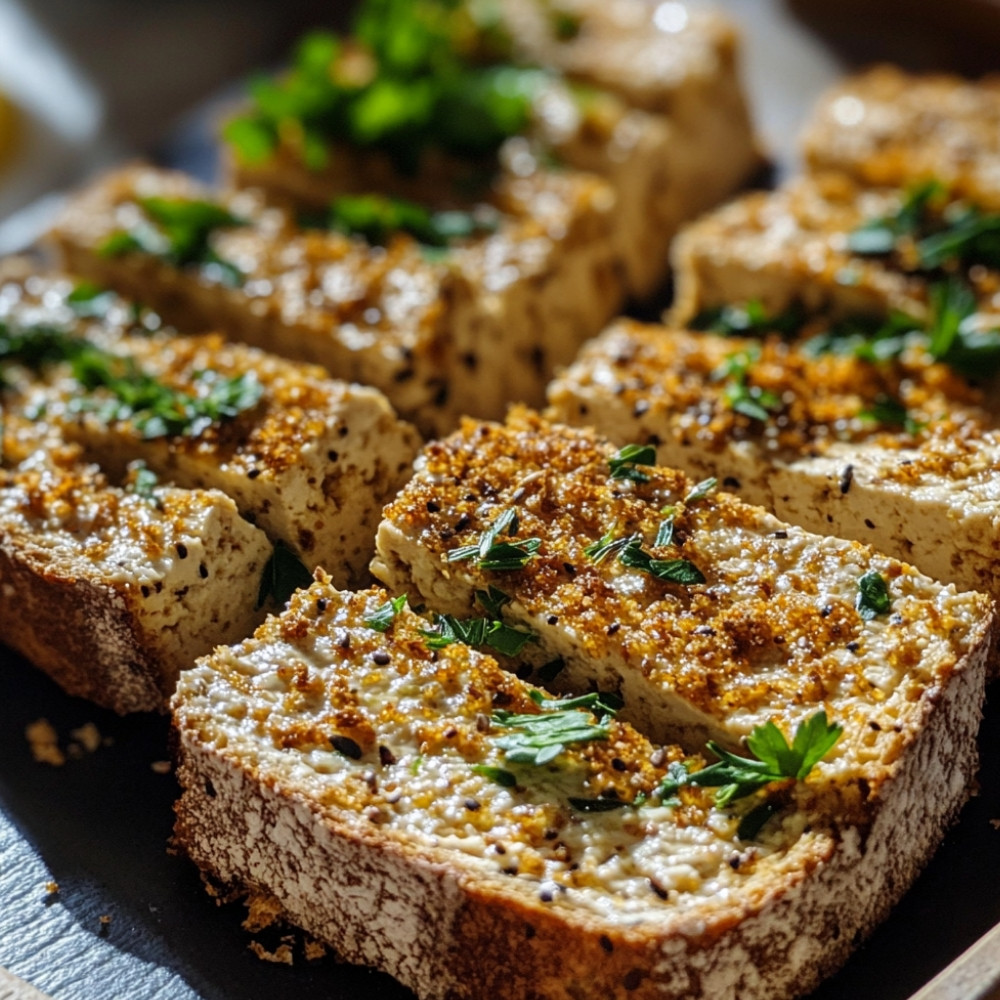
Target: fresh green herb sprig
point(154, 408)
point(179, 233)
point(377, 217)
point(736, 777)
point(283, 574)
point(428, 78)
point(479, 632)
point(499, 556)
point(142, 481)
point(681, 571)
point(624, 464)
point(749, 320)
point(739, 395)
point(539, 738)
point(385, 614)
point(873, 596)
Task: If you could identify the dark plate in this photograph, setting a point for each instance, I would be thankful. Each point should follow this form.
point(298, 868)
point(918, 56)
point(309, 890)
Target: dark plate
point(100, 825)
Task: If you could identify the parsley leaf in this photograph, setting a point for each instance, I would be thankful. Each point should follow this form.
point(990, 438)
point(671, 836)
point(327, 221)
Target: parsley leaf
point(376, 217)
point(671, 570)
point(749, 319)
point(873, 596)
point(180, 235)
point(385, 614)
point(539, 738)
point(89, 299)
point(497, 556)
point(506, 779)
point(751, 400)
point(495, 634)
point(121, 391)
point(141, 480)
point(284, 573)
point(891, 412)
point(623, 463)
point(776, 759)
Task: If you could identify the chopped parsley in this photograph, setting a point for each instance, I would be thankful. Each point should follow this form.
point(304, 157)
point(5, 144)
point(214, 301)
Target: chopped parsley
point(88, 299)
point(179, 233)
point(499, 556)
point(873, 596)
point(749, 320)
point(284, 573)
point(418, 75)
point(479, 632)
point(736, 777)
point(623, 464)
point(377, 217)
point(539, 738)
point(501, 776)
point(701, 490)
point(121, 391)
point(385, 614)
point(891, 412)
point(737, 393)
point(681, 571)
point(142, 481)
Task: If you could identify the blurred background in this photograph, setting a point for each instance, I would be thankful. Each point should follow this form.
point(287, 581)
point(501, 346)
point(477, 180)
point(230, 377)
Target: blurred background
point(95, 81)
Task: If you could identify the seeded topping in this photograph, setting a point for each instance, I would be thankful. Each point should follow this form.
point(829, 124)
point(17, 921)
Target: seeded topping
point(766, 631)
point(399, 742)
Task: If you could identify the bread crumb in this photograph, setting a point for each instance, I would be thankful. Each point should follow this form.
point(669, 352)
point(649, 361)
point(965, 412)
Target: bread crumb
point(313, 949)
point(995, 823)
point(160, 766)
point(262, 912)
point(105, 924)
point(88, 736)
point(282, 954)
point(51, 888)
point(44, 743)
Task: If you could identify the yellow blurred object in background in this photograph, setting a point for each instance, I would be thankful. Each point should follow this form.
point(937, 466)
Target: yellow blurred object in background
point(9, 122)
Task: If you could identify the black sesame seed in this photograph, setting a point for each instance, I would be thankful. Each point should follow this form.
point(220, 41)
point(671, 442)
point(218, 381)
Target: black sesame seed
point(381, 657)
point(333, 455)
point(826, 611)
point(385, 756)
point(462, 523)
point(321, 605)
point(703, 630)
point(432, 507)
point(472, 805)
point(606, 943)
point(846, 478)
point(553, 619)
point(570, 568)
point(658, 890)
point(203, 571)
point(853, 647)
point(731, 482)
point(869, 524)
point(182, 551)
point(618, 764)
point(346, 746)
point(253, 473)
point(781, 534)
point(613, 627)
point(633, 979)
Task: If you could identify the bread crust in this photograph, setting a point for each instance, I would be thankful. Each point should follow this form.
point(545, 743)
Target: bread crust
point(449, 931)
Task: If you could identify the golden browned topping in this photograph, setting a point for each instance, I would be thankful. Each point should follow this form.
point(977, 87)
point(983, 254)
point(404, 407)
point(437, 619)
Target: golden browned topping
point(716, 390)
point(889, 127)
point(741, 616)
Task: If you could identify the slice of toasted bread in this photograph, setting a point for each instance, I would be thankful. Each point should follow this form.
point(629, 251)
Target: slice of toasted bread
point(341, 766)
point(113, 593)
point(888, 127)
point(484, 322)
point(915, 479)
point(311, 462)
point(647, 98)
point(636, 585)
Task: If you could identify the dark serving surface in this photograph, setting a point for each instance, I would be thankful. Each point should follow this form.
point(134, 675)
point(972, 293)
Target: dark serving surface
point(100, 825)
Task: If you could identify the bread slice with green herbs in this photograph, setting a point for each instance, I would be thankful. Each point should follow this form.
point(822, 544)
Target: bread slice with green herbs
point(114, 588)
point(422, 811)
point(897, 453)
point(309, 460)
point(645, 97)
point(889, 127)
point(707, 615)
point(505, 294)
